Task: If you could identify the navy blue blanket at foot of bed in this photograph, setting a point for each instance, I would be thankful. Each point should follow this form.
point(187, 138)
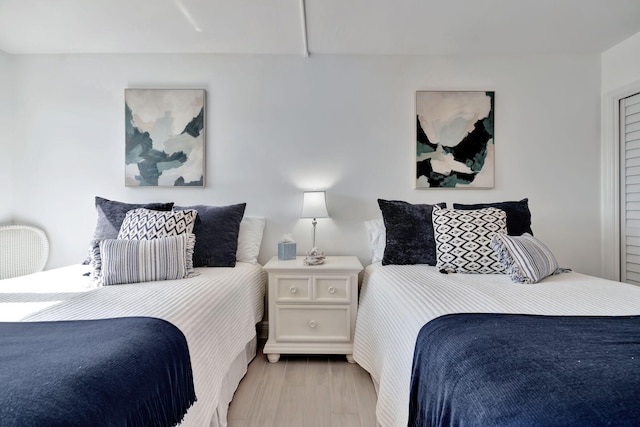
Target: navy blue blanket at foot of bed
point(524, 370)
point(132, 371)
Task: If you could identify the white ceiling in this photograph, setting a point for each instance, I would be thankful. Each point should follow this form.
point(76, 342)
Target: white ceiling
point(430, 27)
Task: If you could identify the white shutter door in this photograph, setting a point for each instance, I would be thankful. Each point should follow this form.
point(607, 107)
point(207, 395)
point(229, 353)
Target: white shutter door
point(630, 189)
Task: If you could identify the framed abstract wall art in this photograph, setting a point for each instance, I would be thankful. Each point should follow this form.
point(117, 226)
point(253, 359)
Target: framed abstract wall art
point(165, 135)
point(454, 139)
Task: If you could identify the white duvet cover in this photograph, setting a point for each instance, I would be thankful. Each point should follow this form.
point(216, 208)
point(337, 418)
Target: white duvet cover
point(217, 311)
point(396, 301)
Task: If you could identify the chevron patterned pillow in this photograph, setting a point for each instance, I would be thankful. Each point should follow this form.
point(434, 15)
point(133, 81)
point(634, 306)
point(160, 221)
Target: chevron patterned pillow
point(145, 224)
point(463, 239)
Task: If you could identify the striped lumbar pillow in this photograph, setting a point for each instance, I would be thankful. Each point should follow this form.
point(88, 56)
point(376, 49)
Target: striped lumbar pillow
point(524, 258)
point(132, 261)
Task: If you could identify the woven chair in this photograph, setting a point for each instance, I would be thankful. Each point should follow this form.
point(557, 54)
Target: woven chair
point(23, 250)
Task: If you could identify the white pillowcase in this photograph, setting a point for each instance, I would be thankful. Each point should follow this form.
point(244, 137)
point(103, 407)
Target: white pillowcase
point(377, 234)
point(250, 239)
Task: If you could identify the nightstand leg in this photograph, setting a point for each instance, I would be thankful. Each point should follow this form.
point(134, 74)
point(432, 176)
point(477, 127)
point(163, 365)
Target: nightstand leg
point(273, 357)
point(350, 358)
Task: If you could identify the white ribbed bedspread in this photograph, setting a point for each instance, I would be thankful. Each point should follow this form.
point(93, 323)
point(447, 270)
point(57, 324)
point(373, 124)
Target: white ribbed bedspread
point(396, 301)
point(25, 295)
point(217, 311)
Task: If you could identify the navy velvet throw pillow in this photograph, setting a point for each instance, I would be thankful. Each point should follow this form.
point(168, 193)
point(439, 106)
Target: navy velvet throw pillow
point(111, 214)
point(216, 231)
point(409, 230)
point(518, 214)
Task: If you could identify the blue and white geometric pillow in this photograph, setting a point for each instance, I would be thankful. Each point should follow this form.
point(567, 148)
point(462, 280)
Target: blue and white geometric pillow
point(145, 224)
point(463, 239)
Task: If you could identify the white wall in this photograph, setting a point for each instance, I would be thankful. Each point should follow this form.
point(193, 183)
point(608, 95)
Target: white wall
point(7, 148)
point(620, 78)
point(621, 65)
point(279, 124)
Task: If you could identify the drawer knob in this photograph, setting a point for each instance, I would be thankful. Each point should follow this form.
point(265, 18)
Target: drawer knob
point(293, 289)
point(332, 290)
point(312, 323)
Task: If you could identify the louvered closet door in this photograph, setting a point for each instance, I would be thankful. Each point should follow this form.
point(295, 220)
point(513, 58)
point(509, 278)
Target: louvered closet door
point(630, 189)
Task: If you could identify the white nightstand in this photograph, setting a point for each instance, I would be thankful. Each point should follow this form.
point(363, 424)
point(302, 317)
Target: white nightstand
point(312, 309)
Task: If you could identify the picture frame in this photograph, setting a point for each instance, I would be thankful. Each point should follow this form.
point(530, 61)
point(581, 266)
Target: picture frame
point(455, 139)
point(165, 137)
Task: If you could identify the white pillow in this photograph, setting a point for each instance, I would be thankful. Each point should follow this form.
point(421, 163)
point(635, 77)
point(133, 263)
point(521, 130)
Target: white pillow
point(249, 239)
point(377, 235)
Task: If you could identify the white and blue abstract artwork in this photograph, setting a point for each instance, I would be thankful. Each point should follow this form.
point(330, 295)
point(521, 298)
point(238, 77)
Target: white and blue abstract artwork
point(165, 134)
point(455, 146)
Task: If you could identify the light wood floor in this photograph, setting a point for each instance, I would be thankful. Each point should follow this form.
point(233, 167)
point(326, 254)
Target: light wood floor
point(303, 391)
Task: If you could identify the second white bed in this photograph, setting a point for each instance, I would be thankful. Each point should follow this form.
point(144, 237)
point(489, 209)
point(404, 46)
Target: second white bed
point(396, 301)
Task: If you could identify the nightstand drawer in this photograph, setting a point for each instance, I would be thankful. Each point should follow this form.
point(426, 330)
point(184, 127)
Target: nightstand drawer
point(333, 289)
point(313, 324)
point(292, 288)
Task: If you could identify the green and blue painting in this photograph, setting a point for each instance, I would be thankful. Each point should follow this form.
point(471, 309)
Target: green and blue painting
point(455, 146)
point(164, 134)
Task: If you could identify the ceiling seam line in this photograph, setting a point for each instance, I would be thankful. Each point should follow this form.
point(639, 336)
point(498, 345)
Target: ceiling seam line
point(303, 15)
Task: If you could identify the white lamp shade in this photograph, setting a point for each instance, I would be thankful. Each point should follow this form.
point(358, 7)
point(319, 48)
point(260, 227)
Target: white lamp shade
point(314, 205)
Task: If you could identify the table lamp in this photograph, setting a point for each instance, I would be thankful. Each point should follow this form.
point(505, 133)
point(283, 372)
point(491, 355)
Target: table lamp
point(314, 205)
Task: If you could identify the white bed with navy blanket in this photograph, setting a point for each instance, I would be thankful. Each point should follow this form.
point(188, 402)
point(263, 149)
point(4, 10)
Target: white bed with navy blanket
point(429, 261)
point(217, 311)
point(397, 300)
point(194, 267)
